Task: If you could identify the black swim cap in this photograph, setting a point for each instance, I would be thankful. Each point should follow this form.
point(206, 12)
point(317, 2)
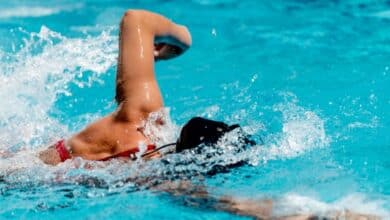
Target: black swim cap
point(204, 131)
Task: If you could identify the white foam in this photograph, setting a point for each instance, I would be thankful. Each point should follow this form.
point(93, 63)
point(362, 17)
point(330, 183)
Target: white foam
point(358, 203)
point(159, 128)
point(302, 130)
point(34, 11)
point(27, 12)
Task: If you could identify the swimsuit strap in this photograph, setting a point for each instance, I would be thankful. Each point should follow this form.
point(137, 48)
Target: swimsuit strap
point(130, 153)
point(62, 151)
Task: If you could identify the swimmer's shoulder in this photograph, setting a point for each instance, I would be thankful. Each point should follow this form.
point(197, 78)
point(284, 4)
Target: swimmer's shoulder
point(93, 141)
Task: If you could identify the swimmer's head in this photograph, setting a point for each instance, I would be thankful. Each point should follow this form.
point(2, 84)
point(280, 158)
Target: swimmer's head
point(199, 131)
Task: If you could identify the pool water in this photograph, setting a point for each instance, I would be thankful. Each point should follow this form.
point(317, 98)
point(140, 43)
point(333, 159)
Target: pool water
point(309, 78)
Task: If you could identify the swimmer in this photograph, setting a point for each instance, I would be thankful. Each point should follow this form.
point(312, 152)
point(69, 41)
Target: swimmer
point(144, 38)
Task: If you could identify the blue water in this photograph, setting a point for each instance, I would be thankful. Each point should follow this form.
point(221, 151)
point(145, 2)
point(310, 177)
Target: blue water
point(310, 78)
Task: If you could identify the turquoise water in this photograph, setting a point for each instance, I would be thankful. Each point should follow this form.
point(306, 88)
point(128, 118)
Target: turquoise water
point(310, 78)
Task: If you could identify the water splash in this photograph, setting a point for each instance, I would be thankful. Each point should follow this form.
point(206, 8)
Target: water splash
point(302, 130)
point(160, 129)
point(35, 76)
point(291, 203)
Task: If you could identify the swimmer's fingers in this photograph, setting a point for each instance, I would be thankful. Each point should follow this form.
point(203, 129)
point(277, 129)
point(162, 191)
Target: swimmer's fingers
point(163, 51)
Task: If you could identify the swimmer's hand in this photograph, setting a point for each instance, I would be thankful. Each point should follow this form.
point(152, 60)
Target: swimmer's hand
point(163, 51)
point(173, 44)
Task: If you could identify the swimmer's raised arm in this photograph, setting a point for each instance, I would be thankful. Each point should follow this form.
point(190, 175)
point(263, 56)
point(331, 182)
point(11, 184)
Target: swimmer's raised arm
point(144, 37)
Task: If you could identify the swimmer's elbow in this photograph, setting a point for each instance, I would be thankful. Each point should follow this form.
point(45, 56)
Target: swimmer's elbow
point(131, 14)
point(131, 17)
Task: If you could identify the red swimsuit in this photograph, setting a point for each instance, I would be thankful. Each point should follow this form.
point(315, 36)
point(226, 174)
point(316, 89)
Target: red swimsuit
point(64, 154)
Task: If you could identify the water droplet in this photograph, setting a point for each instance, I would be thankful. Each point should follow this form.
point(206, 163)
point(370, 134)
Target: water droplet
point(214, 32)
